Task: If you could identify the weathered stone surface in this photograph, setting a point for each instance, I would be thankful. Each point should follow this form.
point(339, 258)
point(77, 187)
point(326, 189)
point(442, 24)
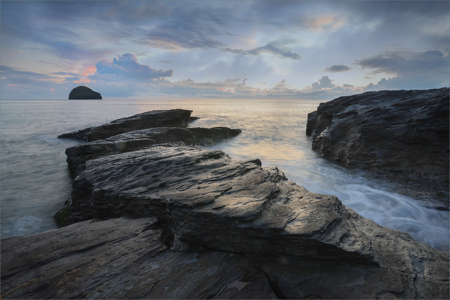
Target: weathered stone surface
point(84, 93)
point(139, 139)
point(307, 244)
point(118, 259)
point(405, 133)
point(150, 119)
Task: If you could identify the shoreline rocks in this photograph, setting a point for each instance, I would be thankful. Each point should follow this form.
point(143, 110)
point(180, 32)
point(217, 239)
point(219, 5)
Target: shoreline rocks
point(170, 220)
point(404, 134)
point(84, 93)
point(150, 119)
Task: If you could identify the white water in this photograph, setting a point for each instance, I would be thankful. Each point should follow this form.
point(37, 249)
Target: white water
point(35, 181)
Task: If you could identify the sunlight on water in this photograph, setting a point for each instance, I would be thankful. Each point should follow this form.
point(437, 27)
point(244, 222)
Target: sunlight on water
point(35, 181)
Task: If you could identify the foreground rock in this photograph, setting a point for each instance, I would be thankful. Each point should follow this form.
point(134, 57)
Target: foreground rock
point(307, 244)
point(118, 259)
point(84, 93)
point(150, 119)
point(404, 133)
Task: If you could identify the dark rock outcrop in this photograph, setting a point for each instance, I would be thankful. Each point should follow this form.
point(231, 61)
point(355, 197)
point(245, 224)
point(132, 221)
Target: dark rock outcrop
point(138, 139)
point(307, 244)
point(118, 259)
point(176, 221)
point(84, 93)
point(150, 119)
point(401, 133)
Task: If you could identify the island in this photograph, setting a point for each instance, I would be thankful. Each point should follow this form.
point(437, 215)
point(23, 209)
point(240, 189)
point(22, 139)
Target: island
point(84, 93)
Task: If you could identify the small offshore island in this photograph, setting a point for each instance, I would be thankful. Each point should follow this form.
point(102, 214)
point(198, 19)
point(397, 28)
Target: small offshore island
point(84, 93)
point(152, 215)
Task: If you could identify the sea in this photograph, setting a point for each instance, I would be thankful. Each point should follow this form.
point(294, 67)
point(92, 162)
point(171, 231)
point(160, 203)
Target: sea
point(35, 180)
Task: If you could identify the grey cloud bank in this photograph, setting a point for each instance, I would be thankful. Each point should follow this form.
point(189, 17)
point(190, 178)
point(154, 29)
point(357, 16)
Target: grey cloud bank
point(392, 44)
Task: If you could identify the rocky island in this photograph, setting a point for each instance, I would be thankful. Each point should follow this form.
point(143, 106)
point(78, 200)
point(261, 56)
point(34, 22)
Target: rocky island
point(152, 215)
point(84, 93)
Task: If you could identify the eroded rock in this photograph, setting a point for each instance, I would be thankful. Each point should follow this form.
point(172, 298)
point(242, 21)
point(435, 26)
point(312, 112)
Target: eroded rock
point(401, 133)
point(138, 139)
point(122, 259)
point(205, 198)
point(150, 119)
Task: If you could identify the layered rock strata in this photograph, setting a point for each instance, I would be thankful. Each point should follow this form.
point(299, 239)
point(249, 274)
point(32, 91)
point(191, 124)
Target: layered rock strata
point(84, 93)
point(401, 133)
point(176, 221)
point(150, 119)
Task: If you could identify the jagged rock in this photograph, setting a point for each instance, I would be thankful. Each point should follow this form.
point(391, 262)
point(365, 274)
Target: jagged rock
point(139, 139)
point(402, 133)
point(150, 119)
point(84, 93)
point(122, 258)
point(307, 244)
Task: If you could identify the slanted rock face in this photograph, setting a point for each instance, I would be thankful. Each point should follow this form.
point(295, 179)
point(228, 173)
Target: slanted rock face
point(204, 198)
point(122, 259)
point(150, 119)
point(84, 93)
point(139, 139)
point(405, 133)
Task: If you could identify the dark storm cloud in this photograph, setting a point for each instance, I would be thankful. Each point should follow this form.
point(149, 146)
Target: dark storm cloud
point(276, 47)
point(337, 68)
point(127, 67)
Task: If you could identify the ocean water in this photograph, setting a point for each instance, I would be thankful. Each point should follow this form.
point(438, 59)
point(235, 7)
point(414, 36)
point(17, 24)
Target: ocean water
point(35, 180)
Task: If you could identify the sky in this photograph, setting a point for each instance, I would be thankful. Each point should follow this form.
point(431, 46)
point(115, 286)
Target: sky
point(222, 49)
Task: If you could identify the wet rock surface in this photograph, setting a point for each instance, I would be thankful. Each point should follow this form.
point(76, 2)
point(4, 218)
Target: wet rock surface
point(155, 118)
point(139, 139)
point(400, 133)
point(177, 221)
point(122, 258)
point(84, 93)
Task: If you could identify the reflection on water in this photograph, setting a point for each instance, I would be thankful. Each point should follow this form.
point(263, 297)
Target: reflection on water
point(35, 180)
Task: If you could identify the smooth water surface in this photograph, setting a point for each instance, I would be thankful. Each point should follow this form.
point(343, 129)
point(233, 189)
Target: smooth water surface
point(35, 180)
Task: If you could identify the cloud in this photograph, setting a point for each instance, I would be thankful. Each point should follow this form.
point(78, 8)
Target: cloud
point(127, 67)
point(323, 83)
point(276, 47)
point(337, 68)
point(409, 70)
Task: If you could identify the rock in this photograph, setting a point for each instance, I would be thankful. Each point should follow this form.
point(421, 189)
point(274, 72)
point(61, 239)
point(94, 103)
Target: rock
point(139, 139)
point(155, 118)
point(83, 93)
point(401, 133)
point(122, 258)
point(308, 245)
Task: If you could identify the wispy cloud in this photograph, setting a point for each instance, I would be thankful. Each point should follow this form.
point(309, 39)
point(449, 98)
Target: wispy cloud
point(276, 47)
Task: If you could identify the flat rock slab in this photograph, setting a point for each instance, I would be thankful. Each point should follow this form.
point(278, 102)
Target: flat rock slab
point(150, 119)
point(401, 133)
point(204, 198)
point(138, 139)
point(122, 259)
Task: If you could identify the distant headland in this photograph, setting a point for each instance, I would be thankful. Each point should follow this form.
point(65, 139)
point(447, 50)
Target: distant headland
point(84, 93)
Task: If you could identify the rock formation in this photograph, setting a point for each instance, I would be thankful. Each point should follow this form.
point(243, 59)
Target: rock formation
point(175, 221)
point(402, 133)
point(150, 119)
point(84, 93)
